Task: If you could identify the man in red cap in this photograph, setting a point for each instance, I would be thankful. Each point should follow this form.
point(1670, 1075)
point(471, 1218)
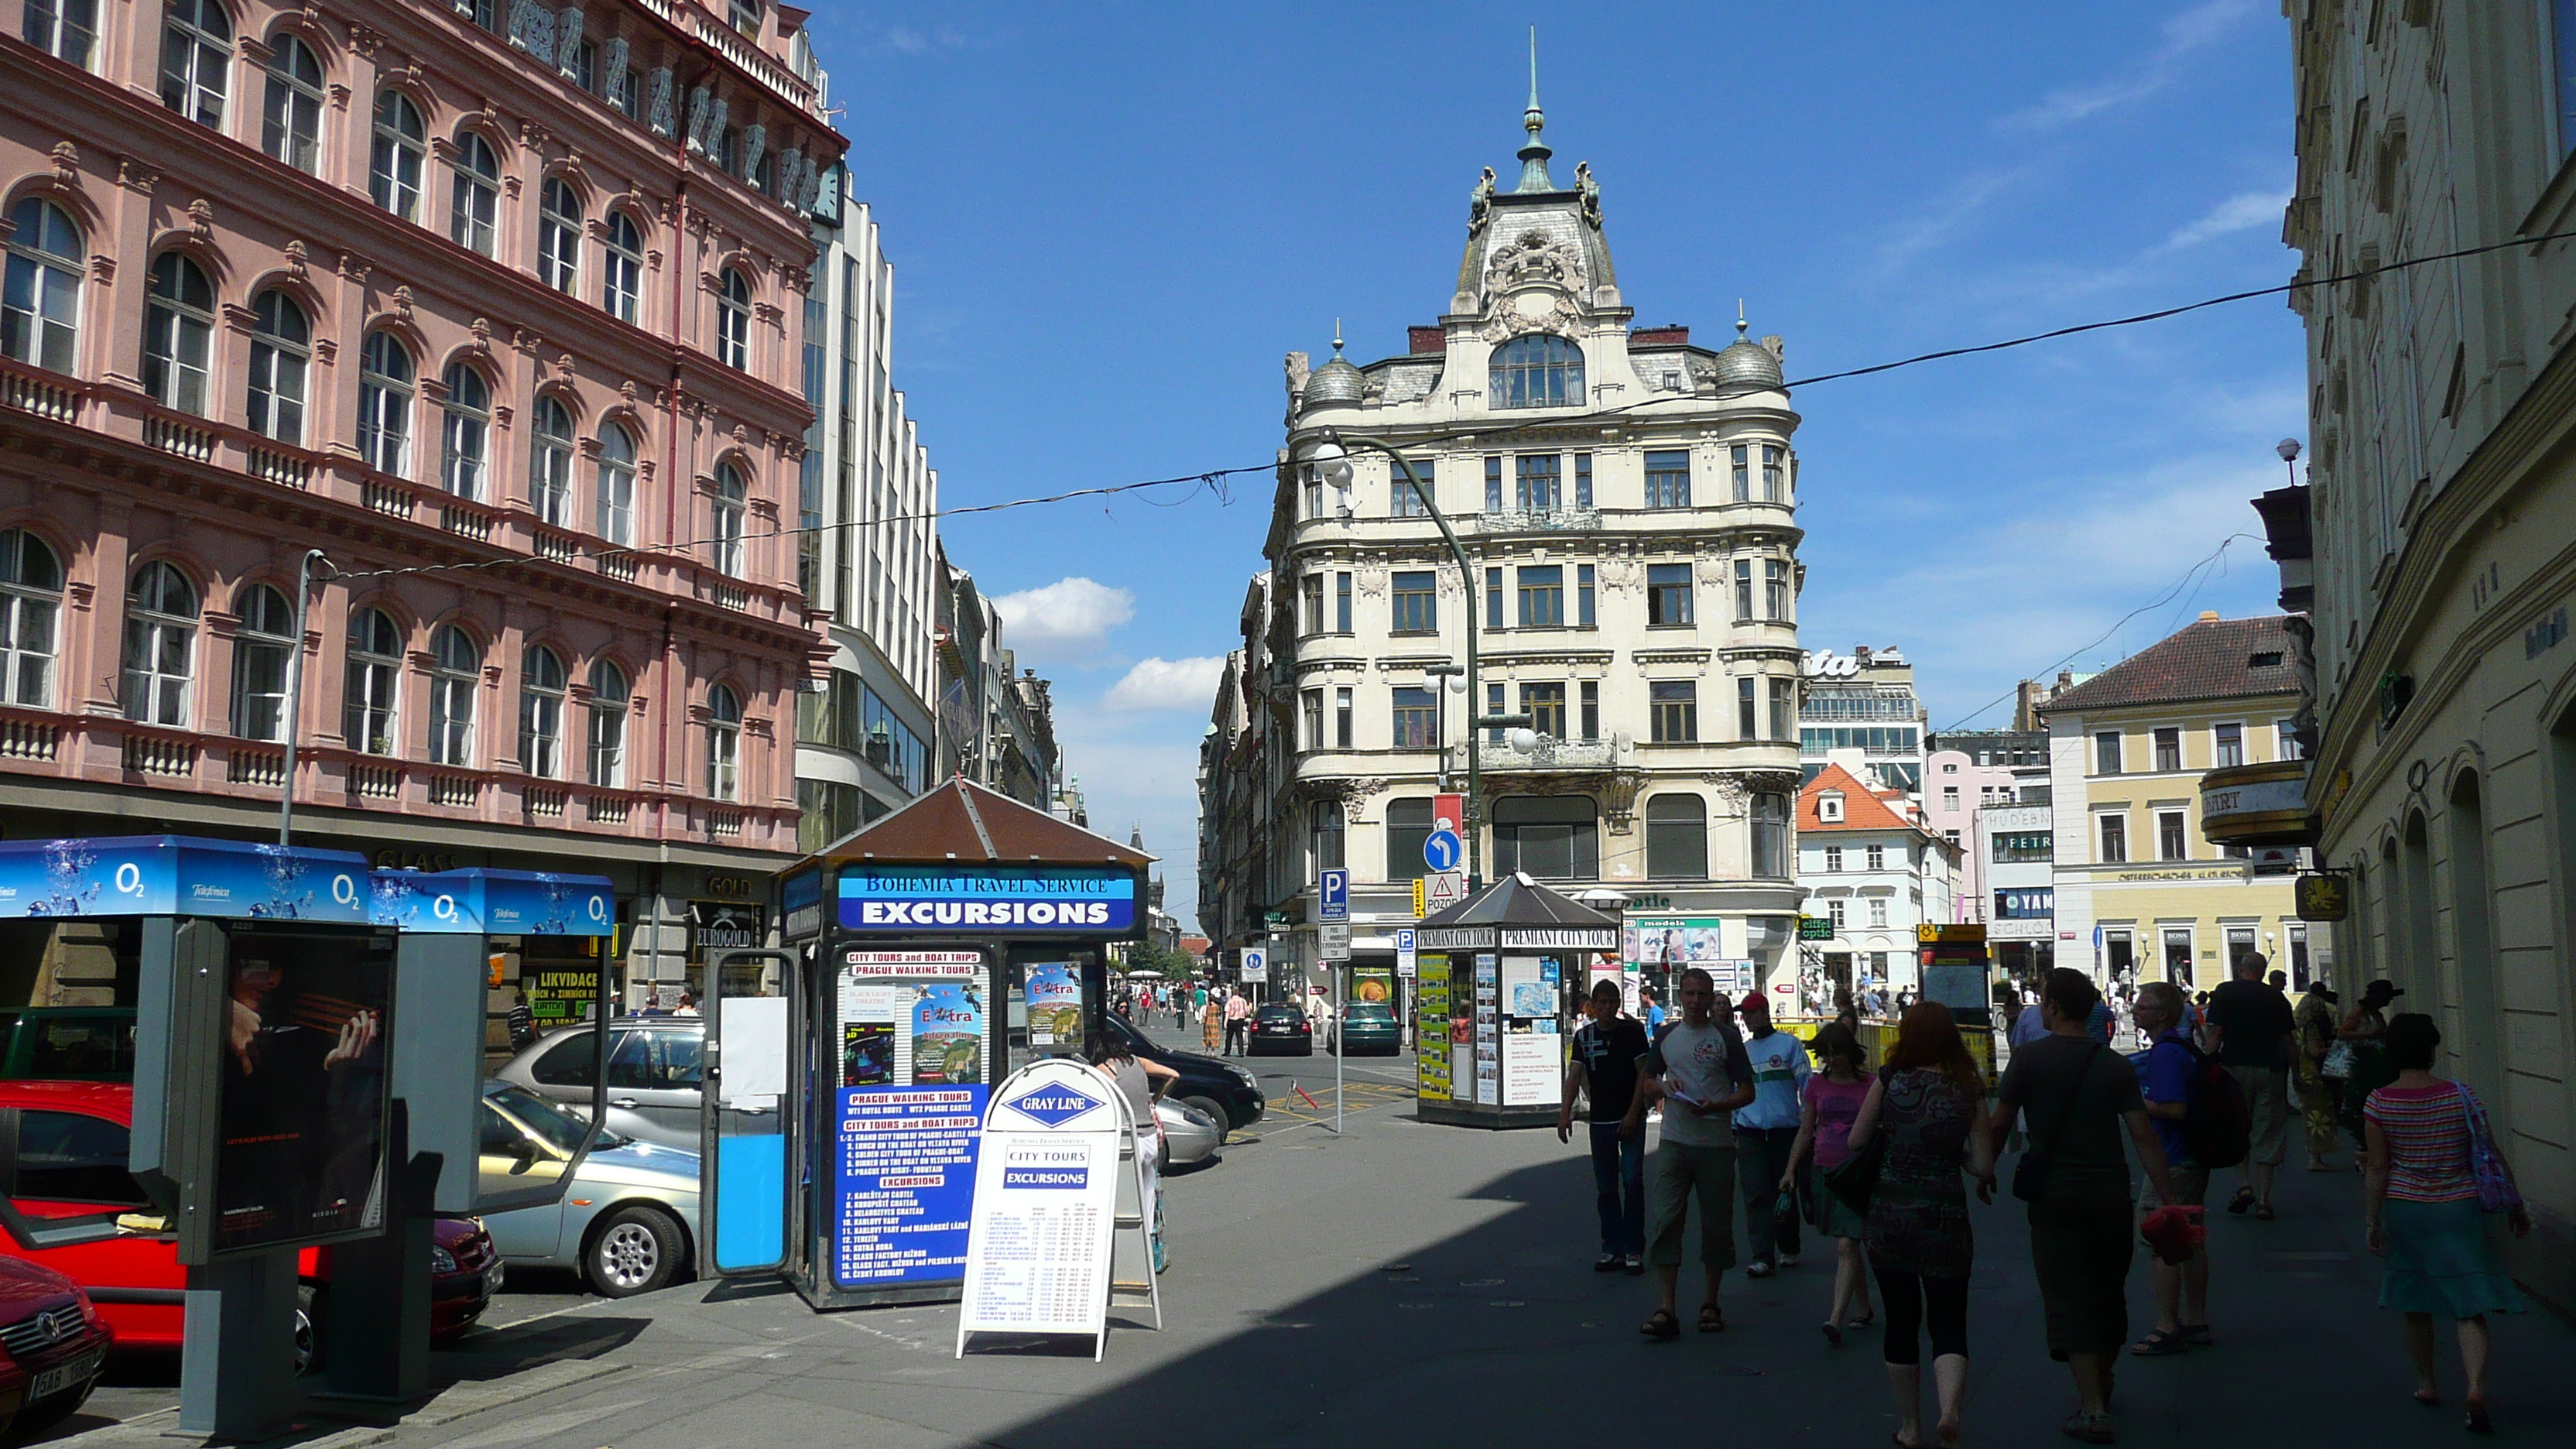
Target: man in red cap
point(1765, 1130)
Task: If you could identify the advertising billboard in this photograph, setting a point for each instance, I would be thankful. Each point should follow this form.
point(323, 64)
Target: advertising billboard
point(302, 1097)
point(1662, 947)
point(990, 900)
point(911, 1095)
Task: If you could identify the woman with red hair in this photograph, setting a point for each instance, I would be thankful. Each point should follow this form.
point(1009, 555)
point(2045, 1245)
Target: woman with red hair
point(1930, 1102)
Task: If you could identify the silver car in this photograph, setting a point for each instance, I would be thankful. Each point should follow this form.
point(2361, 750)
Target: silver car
point(623, 1222)
point(654, 1068)
point(1189, 1135)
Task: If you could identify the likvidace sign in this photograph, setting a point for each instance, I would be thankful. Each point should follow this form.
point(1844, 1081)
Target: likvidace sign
point(1057, 901)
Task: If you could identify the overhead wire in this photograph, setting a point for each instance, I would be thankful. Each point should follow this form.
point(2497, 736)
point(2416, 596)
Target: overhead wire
point(1213, 480)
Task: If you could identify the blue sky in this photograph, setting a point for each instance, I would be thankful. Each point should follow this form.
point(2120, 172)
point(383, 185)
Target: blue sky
point(1108, 223)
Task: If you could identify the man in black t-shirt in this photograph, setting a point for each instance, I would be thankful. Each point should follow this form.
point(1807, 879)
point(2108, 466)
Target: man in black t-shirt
point(1604, 1067)
point(2250, 1027)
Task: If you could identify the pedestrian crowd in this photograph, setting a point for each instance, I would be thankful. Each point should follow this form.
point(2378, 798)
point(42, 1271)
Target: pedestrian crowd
point(1881, 1164)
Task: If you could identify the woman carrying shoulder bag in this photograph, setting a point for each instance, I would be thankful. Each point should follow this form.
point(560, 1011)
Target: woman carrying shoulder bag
point(2435, 1178)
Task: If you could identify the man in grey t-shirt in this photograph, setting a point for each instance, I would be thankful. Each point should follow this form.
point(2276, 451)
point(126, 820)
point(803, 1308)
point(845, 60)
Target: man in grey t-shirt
point(1698, 1071)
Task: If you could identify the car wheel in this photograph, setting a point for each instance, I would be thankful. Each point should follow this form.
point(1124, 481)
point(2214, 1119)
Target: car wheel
point(634, 1250)
point(1216, 1113)
point(308, 1329)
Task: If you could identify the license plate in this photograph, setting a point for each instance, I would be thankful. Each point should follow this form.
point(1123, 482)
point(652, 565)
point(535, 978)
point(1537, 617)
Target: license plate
point(54, 1380)
point(492, 1277)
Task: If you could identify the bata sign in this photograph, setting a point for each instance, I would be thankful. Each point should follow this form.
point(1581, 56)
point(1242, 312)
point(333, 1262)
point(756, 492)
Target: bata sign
point(1081, 901)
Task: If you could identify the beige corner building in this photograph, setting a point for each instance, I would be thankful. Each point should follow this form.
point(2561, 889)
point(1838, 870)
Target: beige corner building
point(2142, 894)
point(2432, 540)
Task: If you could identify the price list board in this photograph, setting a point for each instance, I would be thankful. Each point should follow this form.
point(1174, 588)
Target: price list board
point(1035, 1267)
point(904, 1183)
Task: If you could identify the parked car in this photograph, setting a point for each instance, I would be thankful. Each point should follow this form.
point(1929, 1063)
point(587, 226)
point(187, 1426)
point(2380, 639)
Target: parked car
point(1281, 1030)
point(1189, 1135)
point(69, 1141)
point(1371, 1029)
point(624, 1221)
point(1221, 1089)
point(654, 1069)
point(67, 1043)
point(55, 1346)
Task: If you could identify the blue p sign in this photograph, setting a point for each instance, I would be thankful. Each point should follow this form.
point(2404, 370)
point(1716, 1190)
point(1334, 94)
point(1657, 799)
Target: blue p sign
point(1333, 895)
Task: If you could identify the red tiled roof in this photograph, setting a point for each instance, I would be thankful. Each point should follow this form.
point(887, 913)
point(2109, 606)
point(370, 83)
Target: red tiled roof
point(2211, 658)
point(961, 820)
point(1862, 808)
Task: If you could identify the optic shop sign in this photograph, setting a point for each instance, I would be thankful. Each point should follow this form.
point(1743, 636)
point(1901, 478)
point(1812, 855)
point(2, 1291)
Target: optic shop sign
point(1033, 901)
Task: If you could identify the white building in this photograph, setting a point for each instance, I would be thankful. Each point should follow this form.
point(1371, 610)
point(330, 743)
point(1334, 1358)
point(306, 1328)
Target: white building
point(870, 557)
point(1868, 865)
point(1626, 500)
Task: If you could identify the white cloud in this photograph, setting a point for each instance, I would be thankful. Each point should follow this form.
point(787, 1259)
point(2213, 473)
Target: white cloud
point(1945, 217)
point(2241, 212)
point(1167, 684)
point(2200, 26)
point(1066, 618)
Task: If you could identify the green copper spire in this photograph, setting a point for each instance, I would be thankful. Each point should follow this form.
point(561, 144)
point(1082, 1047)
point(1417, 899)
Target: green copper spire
point(1534, 156)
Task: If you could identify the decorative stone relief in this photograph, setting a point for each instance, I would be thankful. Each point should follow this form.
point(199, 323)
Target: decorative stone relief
point(567, 50)
point(1622, 575)
point(657, 101)
point(1712, 569)
point(701, 105)
point(755, 143)
point(1372, 580)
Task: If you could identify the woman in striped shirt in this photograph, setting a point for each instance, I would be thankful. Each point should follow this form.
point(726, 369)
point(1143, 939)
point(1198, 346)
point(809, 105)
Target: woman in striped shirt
point(2423, 1213)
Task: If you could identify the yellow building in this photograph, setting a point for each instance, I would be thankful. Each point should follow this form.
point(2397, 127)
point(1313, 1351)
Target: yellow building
point(2140, 892)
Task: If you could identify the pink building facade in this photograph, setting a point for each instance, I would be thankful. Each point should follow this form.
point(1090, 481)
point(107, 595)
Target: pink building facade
point(497, 308)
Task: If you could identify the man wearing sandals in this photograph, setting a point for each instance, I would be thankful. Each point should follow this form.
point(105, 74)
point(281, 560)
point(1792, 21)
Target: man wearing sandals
point(2250, 1028)
point(1698, 1070)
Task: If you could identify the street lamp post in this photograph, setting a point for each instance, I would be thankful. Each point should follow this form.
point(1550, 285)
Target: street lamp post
point(1332, 462)
point(313, 558)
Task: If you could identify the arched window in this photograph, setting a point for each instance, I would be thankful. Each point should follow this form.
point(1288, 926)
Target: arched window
point(1676, 838)
point(616, 485)
point(541, 707)
point(724, 743)
point(393, 167)
point(465, 439)
point(608, 699)
point(375, 679)
point(40, 313)
point(733, 321)
point(550, 464)
point(384, 404)
point(290, 126)
point(622, 268)
point(474, 208)
point(455, 671)
point(559, 237)
point(726, 511)
point(64, 28)
point(160, 646)
point(261, 650)
point(281, 348)
point(196, 59)
point(31, 602)
point(178, 333)
point(1537, 372)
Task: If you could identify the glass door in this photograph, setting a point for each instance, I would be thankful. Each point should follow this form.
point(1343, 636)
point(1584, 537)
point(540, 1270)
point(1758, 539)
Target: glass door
point(743, 1121)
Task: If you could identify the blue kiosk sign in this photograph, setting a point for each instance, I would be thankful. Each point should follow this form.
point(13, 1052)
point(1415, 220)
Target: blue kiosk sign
point(1034, 900)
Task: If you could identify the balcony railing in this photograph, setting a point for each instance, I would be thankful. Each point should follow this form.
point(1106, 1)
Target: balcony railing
point(1547, 754)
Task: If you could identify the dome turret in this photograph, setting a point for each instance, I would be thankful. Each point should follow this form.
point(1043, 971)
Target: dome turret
point(1336, 382)
point(1746, 366)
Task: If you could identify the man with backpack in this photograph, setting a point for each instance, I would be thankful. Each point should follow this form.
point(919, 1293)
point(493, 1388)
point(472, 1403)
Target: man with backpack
point(2250, 1027)
point(2201, 1121)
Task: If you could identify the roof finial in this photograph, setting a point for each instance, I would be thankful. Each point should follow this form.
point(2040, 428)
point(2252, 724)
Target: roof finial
point(1739, 319)
point(1337, 337)
point(1534, 155)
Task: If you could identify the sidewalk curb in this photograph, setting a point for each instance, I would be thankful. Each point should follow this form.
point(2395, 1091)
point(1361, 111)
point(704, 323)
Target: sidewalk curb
point(471, 1398)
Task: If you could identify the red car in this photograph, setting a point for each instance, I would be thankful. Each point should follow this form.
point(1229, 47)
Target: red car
point(70, 1143)
point(55, 1341)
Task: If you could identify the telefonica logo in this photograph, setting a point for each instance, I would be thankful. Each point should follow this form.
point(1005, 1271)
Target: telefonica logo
point(210, 892)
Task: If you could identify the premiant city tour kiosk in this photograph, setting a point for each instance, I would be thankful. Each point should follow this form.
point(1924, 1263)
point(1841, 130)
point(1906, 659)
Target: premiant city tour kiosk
point(1499, 980)
point(935, 952)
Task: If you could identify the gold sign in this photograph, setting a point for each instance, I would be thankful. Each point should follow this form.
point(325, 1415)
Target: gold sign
point(2323, 898)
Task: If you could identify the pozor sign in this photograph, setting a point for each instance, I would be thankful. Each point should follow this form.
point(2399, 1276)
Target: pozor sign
point(1049, 901)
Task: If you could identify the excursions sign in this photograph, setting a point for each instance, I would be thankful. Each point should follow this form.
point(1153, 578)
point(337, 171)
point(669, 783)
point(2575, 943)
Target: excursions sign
point(1051, 901)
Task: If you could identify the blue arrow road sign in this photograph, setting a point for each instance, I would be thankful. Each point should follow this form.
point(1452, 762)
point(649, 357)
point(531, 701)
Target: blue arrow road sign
point(1441, 850)
point(1333, 895)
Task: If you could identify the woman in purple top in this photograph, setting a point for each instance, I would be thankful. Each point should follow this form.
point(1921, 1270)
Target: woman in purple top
point(1833, 1102)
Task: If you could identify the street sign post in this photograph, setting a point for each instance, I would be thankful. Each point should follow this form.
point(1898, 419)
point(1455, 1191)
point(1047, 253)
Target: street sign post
point(1332, 941)
point(1405, 957)
point(1256, 964)
point(1442, 850)
point(1443, 889)
point(1333, 895)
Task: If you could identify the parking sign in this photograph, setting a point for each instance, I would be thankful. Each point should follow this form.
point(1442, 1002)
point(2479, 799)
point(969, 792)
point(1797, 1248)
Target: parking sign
point(1333, 895)
point(1404, 954)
